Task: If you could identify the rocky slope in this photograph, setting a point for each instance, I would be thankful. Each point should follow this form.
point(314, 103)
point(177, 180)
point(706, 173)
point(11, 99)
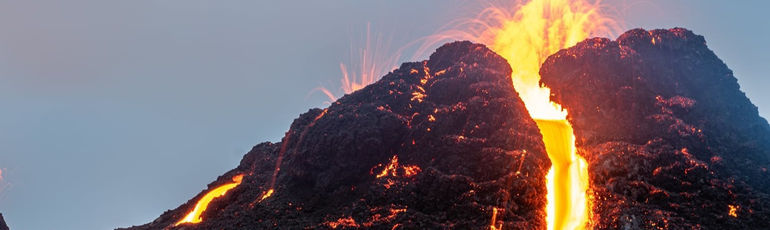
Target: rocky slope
point(672, 142)
point(465, 147)
point(3, 225)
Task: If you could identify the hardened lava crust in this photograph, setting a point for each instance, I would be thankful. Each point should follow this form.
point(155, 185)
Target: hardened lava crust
point(671, 141)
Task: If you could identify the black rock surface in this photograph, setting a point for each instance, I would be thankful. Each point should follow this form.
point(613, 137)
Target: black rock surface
point(671, 141)
point(455, 116)
point(3, 225)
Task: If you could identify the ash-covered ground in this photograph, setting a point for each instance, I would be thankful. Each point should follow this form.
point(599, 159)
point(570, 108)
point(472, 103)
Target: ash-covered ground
point(456, 117)
point(671, 141)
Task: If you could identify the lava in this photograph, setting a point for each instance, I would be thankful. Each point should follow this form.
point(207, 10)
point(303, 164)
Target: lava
point(493, 222)
point(733, 210)
point(194, 216)
point(266, 195)
point(567, 180)
point(526, 35)
point(348, 222)
point(392, 169)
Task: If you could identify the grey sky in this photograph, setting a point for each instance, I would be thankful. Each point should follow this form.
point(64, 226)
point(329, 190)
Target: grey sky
point(112, 112)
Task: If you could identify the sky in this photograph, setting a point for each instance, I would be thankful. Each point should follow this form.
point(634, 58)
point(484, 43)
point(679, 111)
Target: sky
point(112, 112)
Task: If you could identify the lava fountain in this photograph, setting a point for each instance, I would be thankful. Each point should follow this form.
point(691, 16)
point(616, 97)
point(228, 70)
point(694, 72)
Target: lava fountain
point(526, 34)
point(367, 64)
point(526, 38)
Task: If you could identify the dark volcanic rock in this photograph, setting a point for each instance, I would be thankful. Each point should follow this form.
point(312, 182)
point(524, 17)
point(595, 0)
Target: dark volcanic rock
point(3, 225)
point(671, 141)
point(455, 116)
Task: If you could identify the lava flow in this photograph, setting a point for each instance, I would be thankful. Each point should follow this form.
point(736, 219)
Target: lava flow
point(526, 38)
point(194, 216)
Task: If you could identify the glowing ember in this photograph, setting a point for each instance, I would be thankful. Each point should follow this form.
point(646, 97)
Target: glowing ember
point(343, 222)
point(372, 63)
point(526, 35)
point(493, 223)
point(266, 195)
point(411, 170)
point(195, 215)
point(378, 218)
point(392, 169)
point(733, 210)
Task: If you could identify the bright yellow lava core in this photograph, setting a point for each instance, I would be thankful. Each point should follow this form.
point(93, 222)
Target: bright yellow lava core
point(526, 37)
point(194, 216)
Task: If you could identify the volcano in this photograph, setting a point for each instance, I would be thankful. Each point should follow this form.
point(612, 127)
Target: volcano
point(670, 140)
point(442, 143)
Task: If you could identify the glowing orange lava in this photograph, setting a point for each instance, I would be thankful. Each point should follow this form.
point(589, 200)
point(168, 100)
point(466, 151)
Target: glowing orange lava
point(195, 215)
point(526, 34)
point(526, 38)
point(493, 222)
point(392, 169)
point(266, 195)
point(348, 222)
point(733, 210)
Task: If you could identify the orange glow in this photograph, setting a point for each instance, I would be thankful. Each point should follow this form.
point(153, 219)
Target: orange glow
point(493, 223)
point(343, 222)
point(526, 34)
point(195, 215)
point(526, 38)
point(266, 195)
point(733, 210)
point(567, 180)
point(392, 169)
point(418, 95)
point(411, 170)
point(431, 118)
point(367, 64)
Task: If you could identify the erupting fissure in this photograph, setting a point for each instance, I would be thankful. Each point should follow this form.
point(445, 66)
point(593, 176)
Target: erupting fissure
point(526, 38)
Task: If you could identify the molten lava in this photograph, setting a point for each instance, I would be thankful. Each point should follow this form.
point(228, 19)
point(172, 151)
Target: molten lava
point(567, 180)
point(195, 215)
point(393, 169)
point(526, 36)
point(733, 210)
